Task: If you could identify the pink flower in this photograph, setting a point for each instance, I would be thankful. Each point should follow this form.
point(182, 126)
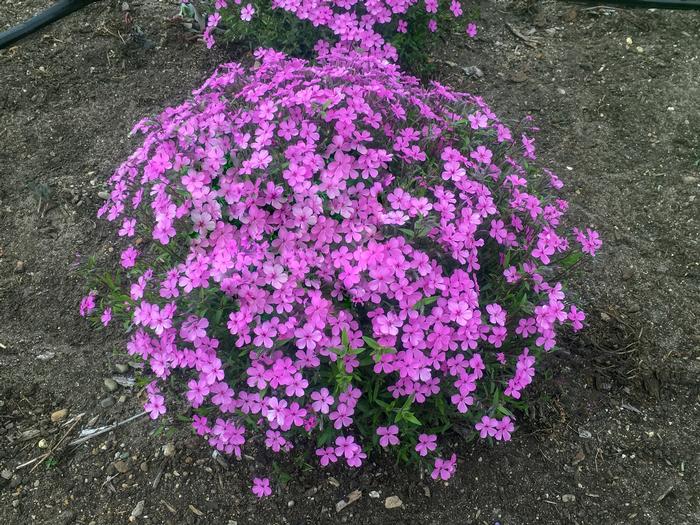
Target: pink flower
point(274, 440)
point(322, 401)
point(198, 390)
point(261, 487)
point(128, 257)
point(511, 274)
point(482, 154)
point(471, 29)
point(346, 446)
point(503, 429)
point(576, 317)
point(497, 315)
point(155, 406)
point(326, 456)
point(444, 468)
point(341, 417)
point(87, 304)
point(486, 427)
point(426, 443)
point(106, 316)
point(127, 228)
point(478, 121)
point(590, 240)
point(247, 13)
point(199, 423)
point(388, 435)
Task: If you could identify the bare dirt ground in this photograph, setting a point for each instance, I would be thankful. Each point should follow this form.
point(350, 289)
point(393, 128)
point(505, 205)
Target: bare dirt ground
point(614, 434)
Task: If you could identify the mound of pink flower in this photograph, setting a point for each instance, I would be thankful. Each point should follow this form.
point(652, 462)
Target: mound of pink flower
point(358, 24)
point(335, 254)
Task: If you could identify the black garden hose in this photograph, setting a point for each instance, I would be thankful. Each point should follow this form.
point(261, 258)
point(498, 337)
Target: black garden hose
point(55, 12)
point(650, 4)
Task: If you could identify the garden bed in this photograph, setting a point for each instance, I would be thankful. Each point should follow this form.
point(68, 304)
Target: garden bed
point(610, 440)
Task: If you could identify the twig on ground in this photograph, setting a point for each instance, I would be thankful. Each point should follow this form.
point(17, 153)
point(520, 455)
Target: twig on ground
point(156, 480)
point(103, 430)
point(53, 449)
point(530, 41)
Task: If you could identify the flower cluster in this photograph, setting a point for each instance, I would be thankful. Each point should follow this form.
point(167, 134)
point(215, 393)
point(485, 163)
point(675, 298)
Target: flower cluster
point(367, 25)
point(333, 252)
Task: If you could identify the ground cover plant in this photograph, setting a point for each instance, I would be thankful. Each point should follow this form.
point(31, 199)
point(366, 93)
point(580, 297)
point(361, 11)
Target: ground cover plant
point(333, 256)
point(392, 28)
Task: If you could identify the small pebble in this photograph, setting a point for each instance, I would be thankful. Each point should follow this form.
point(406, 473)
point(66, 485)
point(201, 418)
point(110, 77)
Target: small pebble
point(20, 267)
point(568, 498)
point(138, 510)
point(104, 195)
point(107, 402)
point(634, 308)
point(690, 180)
point(121, 466)
point(43, 443)
point(6, 474)
point(393, 502)
point(59, 415)
point(110, 384)
point(121, 368)
point(169, 450)
point(374, 494)
point(473, 71)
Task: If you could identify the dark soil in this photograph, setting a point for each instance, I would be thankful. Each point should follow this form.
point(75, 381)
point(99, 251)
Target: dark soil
point(614, 433)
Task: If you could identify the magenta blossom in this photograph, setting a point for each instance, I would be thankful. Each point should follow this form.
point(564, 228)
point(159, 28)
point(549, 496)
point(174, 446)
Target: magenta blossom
point(388, 435)
point(261, 487)
point(444, 468)
point(426, 443)
point(247, 13)
point(87, 304)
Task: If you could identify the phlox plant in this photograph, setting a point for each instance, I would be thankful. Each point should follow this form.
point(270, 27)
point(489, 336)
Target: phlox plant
point(331, 256)
point(387, 28)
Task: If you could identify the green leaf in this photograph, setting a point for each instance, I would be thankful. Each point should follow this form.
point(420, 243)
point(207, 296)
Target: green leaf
point(408, 416)
point(503, 410)
point(425, 301)
point(324, 437)
point(571, 259)
point(372, 343)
